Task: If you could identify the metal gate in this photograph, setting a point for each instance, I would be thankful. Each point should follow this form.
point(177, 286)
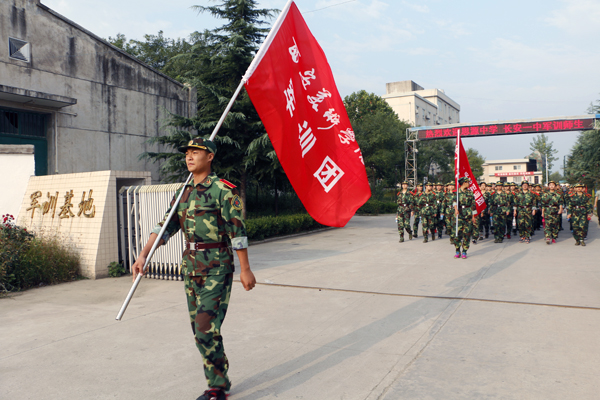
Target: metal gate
point(140, 209)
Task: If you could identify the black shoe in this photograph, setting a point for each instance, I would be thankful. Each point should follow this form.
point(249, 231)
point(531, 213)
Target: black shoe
point(213, 394)
point(486, 235)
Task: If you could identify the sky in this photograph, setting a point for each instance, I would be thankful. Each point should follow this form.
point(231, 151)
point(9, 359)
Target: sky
point(500, 60)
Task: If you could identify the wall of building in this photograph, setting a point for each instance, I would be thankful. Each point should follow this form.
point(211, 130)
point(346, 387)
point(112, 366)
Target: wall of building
point(120, 101)
point(512, 170)
point(421, 107)
point(19, 162)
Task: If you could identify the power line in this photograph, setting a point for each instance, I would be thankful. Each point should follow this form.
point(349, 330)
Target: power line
point(333, 5)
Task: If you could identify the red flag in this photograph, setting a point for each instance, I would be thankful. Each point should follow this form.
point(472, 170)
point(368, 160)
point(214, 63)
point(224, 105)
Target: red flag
point(291, 86)
point(465, 171)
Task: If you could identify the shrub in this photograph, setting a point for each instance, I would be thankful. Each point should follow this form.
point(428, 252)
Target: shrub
point(27, 261)
point(265, 227)
point(374, 207)
point(115, 269)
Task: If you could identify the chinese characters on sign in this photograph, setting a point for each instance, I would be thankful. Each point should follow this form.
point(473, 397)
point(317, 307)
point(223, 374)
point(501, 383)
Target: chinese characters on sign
point(86, 207)
point(509, 129)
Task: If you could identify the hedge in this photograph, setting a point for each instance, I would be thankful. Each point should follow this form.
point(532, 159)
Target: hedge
point(374, 207)
point(27, 261)
point(265, 227)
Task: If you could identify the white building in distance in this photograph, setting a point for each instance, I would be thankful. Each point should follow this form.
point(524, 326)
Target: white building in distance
point(419, 106)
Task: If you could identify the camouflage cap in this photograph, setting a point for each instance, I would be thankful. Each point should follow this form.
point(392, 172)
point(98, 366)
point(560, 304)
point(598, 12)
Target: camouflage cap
point(429, 184)
point(451, 183)
point(499, 183)
point(555, 184)
point(200, 143)
point(463, 180)
point(578, 184)
point(524, 183)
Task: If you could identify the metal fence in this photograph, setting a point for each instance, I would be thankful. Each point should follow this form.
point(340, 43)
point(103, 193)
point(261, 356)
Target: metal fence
point(140, 209)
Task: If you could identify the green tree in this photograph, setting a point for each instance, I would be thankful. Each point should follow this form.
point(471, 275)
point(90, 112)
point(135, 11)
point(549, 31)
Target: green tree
point(583, 164)
point(380, 136)
point(544, 152)
point(476, 162)
point(155, 50)
point(214, 64)
point(435, 160)
point(556, 176)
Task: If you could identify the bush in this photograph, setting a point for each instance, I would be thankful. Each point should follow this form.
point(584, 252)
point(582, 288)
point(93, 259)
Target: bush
point(27, 261)
point(374, 207)
point(115, 269)
point(265, 227)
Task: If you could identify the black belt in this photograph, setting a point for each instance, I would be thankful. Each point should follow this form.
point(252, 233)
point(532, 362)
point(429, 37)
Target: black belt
point(203, 246)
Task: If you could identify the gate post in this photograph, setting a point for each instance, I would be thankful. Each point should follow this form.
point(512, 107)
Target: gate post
point(410, 158)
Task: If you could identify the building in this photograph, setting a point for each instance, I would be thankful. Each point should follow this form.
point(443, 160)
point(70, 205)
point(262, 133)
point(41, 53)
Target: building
point(515, 170)
point(421, 107)
point(83, 104)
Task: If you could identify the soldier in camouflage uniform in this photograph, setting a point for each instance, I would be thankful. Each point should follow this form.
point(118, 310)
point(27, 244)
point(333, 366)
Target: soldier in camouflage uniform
point(484, 221)
point(500, 209)
point(417, 193)
point(447, 205)
point(526, 204)
point(551, 211)
point(581, 210)
point(511, 200)
point(210, 217)
point(428, 207)
point(405, 204)
point(465, 212)
point(439, 218)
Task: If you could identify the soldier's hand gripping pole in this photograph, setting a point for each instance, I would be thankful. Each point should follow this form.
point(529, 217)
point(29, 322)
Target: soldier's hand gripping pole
point(154, 246)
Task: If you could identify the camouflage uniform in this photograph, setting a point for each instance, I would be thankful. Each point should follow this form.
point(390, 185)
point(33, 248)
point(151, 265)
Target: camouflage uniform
point(428, 207)
point(580, 205)
point(500, 206)
point(484, 221)
point(449, 199)
point(551, 203)
point(405, 203)
point(510, 216)
point(417, 210)
point(525, 202)
point(466, 210)
point(440, 212)
point(210, 217)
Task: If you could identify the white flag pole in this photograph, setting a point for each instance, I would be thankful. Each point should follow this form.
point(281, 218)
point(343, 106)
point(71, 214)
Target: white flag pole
point(457, 178)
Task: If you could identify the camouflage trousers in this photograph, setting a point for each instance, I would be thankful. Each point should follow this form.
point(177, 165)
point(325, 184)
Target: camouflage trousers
point(429, 224)
point(484, 224)
point(416, 222)
point(525, 222)
point(403, 222)
point(552, 224)
point(499, 225)
point(441, 222)
point(580, 226)
point(450, 225)
point(463, 236)
point(208, 298)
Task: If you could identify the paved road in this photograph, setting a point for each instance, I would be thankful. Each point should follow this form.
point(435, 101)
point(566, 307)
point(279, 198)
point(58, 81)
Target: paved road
point(341, 314)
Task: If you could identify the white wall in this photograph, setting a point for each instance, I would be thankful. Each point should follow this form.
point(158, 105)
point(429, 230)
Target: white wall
point(17, 165)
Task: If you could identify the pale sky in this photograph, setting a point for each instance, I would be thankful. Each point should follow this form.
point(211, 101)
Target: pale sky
point(500, 60)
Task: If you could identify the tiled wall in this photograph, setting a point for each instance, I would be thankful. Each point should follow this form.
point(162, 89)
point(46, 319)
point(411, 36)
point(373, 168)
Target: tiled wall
point(95, 238)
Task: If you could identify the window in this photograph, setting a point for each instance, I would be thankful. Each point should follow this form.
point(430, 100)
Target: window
point(516, 167)
point(498, 167)
point(518, 179)
point(19, 49)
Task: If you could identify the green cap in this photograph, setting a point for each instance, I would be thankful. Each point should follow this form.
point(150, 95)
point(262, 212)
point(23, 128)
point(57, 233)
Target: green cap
point(199, 143)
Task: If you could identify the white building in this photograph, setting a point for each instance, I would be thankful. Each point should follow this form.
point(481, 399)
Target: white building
point(419, 106)
point(514, 170)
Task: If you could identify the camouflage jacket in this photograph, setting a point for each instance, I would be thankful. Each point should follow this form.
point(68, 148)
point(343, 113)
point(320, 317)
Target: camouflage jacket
point(580, 205)
point(448, 205)
point(428, 203)
point(466, 203)
point(417, 202)
point(526, 200)
point(551, 202)
point(210, 212)
point(405, 202)
point(500, 203)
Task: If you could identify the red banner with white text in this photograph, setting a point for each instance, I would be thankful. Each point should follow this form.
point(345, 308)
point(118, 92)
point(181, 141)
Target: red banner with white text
point(291, 86)
point(465, 171)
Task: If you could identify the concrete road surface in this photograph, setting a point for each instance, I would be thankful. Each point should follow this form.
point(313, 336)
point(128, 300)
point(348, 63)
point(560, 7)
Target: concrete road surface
point(342, 314)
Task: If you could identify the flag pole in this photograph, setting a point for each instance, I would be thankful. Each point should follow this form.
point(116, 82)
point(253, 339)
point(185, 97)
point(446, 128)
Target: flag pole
point(263, 48)
point(457, 178)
